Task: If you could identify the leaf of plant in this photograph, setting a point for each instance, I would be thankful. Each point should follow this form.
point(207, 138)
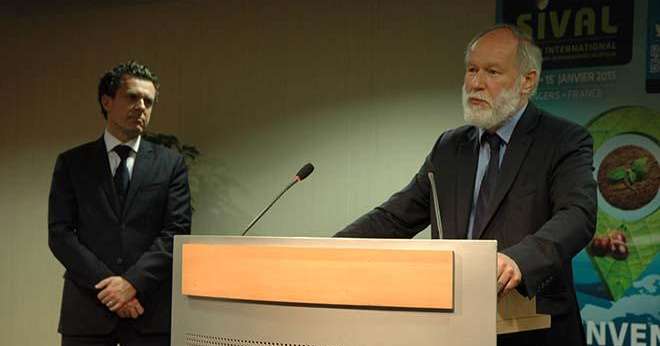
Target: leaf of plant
point(640, 167)
point(632, 176)
point(616, 175)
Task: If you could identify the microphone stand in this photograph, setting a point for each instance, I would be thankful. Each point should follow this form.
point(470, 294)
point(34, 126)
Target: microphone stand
point(436, 205)
point(286, 188)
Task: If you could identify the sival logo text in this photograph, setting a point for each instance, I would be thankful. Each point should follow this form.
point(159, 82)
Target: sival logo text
point(554, 24)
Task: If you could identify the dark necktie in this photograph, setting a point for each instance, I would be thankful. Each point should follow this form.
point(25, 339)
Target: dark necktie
point(487, 189)
point(122, 177)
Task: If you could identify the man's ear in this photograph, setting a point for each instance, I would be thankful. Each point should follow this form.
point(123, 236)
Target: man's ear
point(106, 101)
point(529, 81)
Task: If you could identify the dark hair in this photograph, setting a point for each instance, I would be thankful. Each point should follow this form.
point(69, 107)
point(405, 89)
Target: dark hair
point(111, 80)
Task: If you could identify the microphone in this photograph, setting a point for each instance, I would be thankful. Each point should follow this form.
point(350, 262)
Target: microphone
point(303, 173)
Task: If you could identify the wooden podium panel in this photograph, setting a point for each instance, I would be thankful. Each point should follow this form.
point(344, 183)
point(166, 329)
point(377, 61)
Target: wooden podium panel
point(315, 275)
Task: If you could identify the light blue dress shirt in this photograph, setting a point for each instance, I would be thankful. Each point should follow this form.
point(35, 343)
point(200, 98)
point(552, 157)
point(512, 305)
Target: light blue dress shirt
point(505, 133)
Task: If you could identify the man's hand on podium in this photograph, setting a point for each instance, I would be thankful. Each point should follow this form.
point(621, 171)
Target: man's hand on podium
point(508, 274)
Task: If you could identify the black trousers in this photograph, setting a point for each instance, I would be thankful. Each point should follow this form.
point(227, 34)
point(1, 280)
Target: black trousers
point(529, 338)
point(124, 335)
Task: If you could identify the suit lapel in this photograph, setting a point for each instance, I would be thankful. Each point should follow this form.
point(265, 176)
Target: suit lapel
point(141, 168)
point(516, 151)
point(104, 176)
point(468, 155)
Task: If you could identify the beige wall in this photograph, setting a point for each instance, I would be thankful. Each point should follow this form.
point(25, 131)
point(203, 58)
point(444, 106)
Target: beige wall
point(359, 88)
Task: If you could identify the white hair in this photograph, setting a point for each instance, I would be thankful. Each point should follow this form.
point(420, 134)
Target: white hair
point(529, 55)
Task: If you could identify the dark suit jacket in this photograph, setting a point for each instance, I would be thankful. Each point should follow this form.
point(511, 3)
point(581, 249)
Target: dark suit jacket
point(543, 213)
point(94, 239)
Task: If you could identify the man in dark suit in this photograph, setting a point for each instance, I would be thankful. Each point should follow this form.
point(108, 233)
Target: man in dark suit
point(115, 205)
point(515, 174)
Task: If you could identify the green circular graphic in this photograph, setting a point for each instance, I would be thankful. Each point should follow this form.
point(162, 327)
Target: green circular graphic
point(626, 156)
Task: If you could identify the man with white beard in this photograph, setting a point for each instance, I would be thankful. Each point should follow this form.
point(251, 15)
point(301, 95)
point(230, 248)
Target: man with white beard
point(515, 174)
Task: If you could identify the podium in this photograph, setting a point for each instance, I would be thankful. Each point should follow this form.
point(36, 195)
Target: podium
point(252, 291)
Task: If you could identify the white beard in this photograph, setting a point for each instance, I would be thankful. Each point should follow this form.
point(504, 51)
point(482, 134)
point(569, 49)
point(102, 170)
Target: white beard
point(501, 109)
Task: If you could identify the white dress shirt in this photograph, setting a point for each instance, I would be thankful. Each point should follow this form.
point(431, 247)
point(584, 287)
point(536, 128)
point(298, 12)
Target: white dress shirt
point(111, 142)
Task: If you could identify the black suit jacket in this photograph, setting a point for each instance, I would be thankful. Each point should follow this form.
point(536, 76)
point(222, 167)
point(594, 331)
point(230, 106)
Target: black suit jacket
point(94, 239)
point(543, 213)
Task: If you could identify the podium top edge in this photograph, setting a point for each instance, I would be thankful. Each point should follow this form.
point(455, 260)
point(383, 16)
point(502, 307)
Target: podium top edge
point(325, 241)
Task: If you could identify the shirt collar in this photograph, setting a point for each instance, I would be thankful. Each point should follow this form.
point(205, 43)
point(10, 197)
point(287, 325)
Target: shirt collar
point(506, 130)
point(111, 142)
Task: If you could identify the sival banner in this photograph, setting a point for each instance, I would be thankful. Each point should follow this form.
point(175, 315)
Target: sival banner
point(602, 69)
